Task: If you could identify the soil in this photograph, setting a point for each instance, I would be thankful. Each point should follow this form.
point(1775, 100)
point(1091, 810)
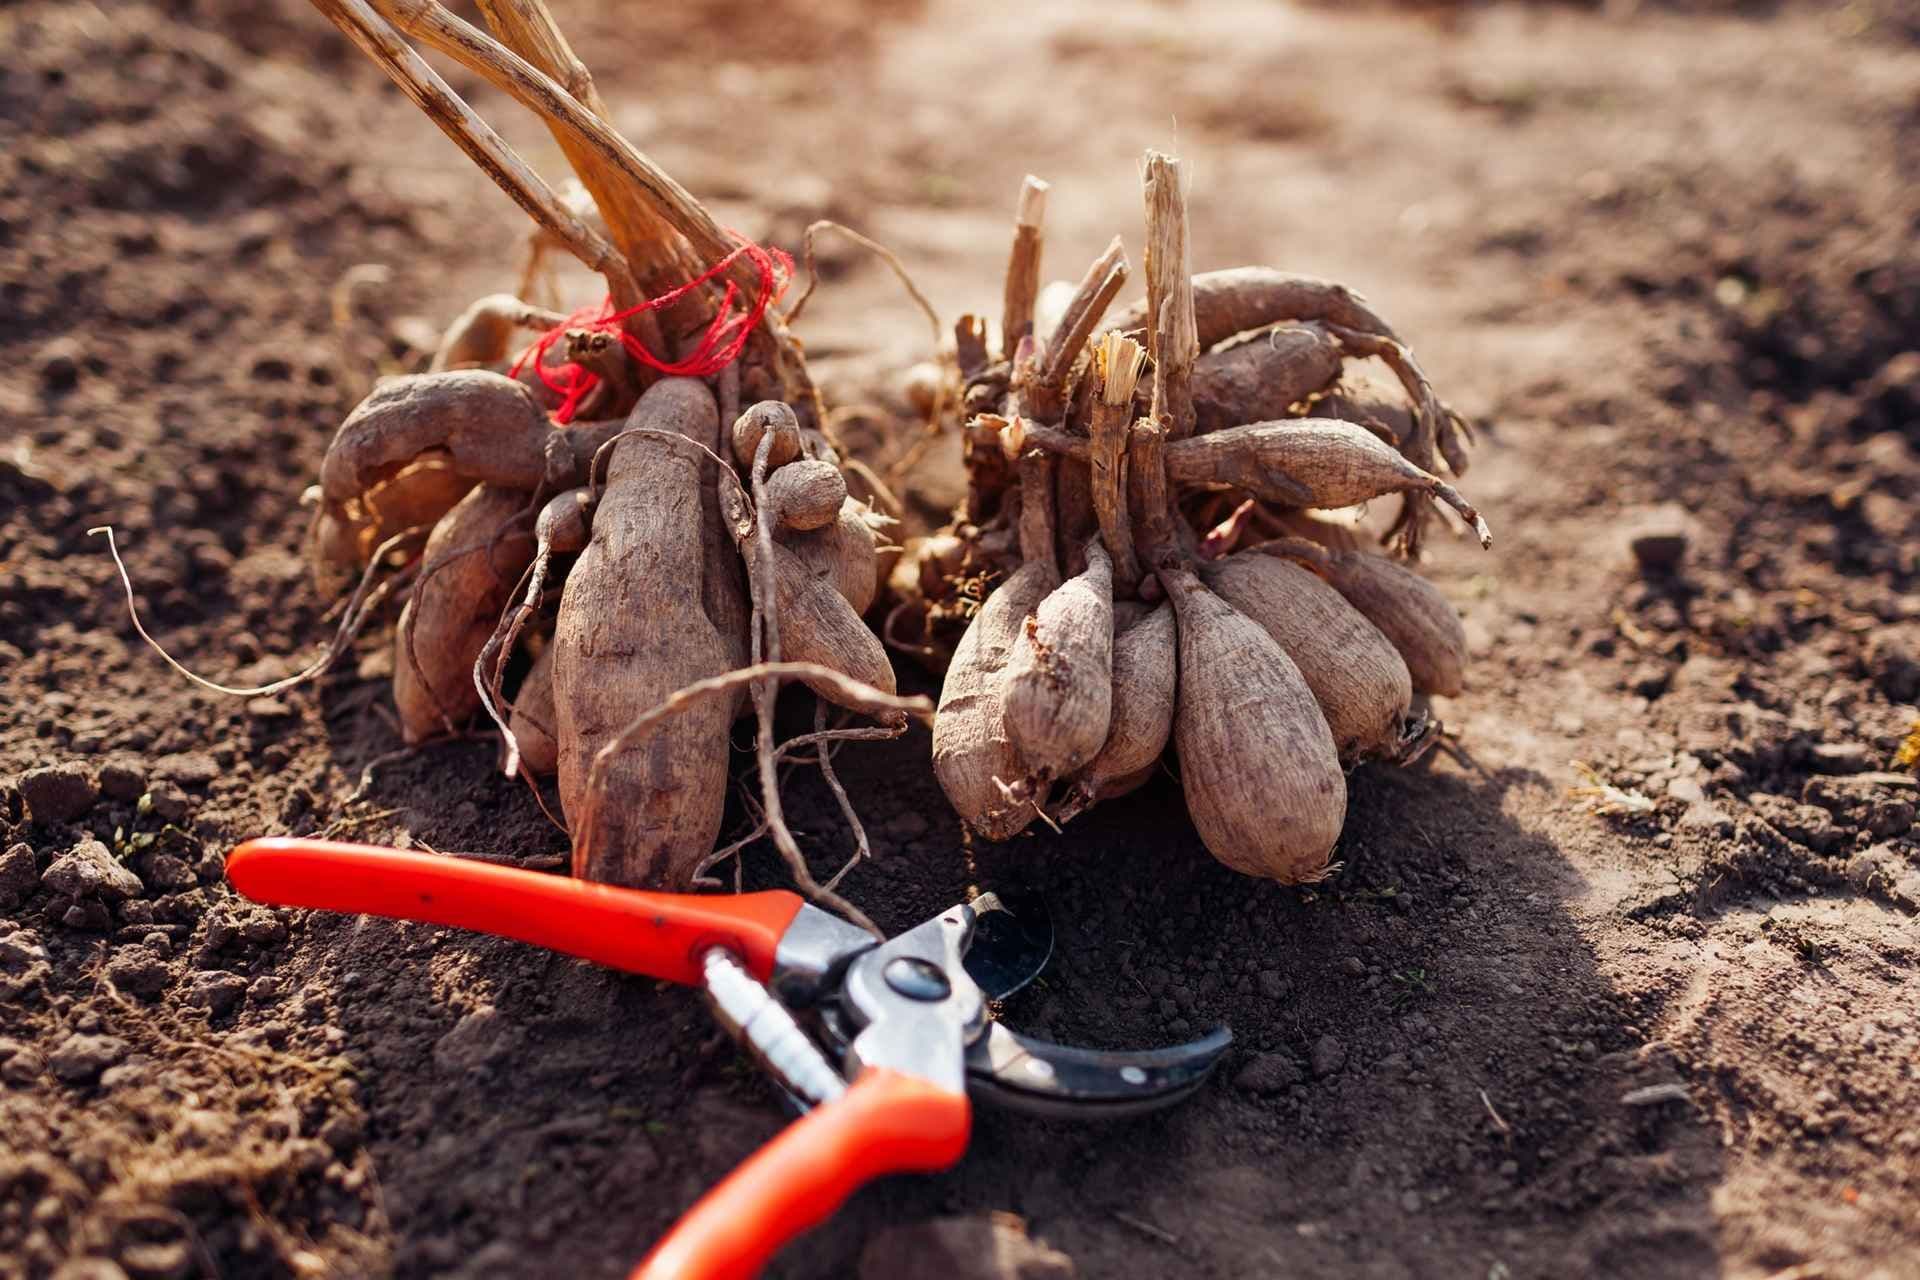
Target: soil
point(1618, 985)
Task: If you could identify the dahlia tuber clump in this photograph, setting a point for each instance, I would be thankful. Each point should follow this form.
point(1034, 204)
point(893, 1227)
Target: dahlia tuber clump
point(1143, 559)
point(645, 497)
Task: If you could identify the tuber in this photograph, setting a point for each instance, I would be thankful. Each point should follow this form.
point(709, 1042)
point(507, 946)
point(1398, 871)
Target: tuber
point(806, 494)
point(1357, 677)
point(1309, 462)
point(1263, 377)
point(631, 630)
point(1141, 719)
point(1262, 778)
point(472, 561)
point(1059, 682)
point(1411, 613)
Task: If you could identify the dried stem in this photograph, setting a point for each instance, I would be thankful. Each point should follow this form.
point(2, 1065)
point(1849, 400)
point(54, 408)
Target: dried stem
point(1023, 267)
point(970, 344)
point(658, 256)
point(1147, 476)
point(540, 93)
point(1117, 365)
point(861, 849)
point(1084, 312)
point(1172, 338)
point(987, 433)
point(872, 246)
point(360, 607)
point(1036, 507)
point(459, 122)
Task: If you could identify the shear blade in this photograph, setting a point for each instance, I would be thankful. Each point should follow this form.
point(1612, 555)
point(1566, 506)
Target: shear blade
point(1041, 1078)
point(1012, 942)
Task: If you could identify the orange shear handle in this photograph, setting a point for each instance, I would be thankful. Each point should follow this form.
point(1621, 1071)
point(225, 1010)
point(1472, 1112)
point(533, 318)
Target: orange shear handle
point(885, 1123)
point(661, 934)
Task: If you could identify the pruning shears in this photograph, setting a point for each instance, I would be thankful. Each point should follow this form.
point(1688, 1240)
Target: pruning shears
point(878, 1043)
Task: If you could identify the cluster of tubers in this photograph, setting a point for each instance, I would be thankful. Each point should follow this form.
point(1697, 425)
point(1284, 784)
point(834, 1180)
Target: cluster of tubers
point(639, 526)
point(642, 525)
point(1156, 558)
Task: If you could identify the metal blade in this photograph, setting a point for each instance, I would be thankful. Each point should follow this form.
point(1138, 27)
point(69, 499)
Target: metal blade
point(1012, 941)
point(1040, 1078)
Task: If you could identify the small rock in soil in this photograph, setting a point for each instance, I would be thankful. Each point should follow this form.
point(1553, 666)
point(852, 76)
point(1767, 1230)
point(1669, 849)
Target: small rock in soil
point(1888, 818)
point(216, 991)
point(187, 769)
point(1269, 1073)
point(987, 1246)
point(167, 873)
point(59, 792)
point(167, 1260)
point(21, 1067)
point(1840, 757)
point(1804, 824)
point(1706, 817)
point(138, 970)
point(1329, 1055)
point(1650, 679)
point(169, 802)
point(81, 1058)
point(1893, 661)
point(18, 874)
point(20, 949)
point(88, 915)
point(1687, 791)
point(475, 1041)
point(58, 364)
point(122, 780)
point(91, 871)
point(1658, 537)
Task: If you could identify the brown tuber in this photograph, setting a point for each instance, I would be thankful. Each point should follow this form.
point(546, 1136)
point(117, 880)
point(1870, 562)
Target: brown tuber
point(487, 426)
point(806, 494)
point(1410, 612)
point(472, 562)
point(1141, 719)
point(1262, 779)
point(533, 719)
point(1357, 677)
point(1263, 377)
point(817, 624)
point(1310, 462)
point(630, 632)
point(974, 759)
point(1059, 681)
point(845, 552)
point(768, 415)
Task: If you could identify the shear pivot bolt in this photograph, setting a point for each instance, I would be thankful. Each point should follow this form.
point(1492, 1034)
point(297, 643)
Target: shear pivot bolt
point(917, 979)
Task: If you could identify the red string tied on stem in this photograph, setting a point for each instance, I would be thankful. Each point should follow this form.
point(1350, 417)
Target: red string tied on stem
point(718, 347)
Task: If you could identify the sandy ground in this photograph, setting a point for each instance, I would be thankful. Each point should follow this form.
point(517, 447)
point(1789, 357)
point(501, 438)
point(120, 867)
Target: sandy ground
point(1664, 257)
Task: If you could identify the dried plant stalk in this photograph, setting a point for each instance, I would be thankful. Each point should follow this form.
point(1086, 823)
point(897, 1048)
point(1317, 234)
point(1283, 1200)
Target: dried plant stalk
point(473, 135)
point(1023, 266)
point(1046, 397)
point(1116, 372)
point(1172, 339)
point(539, 92)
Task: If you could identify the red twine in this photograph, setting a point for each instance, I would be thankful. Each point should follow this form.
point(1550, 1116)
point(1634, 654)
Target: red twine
point(719, 346)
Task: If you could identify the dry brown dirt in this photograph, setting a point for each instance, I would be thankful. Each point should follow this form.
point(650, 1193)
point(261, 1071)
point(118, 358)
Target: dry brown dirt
point(1665, 255)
